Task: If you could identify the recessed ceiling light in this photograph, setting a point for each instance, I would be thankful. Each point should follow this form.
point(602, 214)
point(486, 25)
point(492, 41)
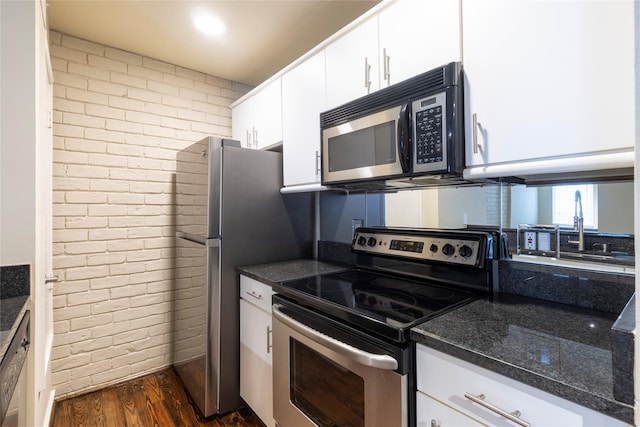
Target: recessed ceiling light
point(208, 24)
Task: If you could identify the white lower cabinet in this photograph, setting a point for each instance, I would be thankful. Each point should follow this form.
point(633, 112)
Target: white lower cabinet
point(447, 385)
point(432, 413)
point(256, 378)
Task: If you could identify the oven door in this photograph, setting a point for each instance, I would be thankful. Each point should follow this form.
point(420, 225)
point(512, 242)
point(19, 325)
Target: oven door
point(370, 147)
point(322, 381)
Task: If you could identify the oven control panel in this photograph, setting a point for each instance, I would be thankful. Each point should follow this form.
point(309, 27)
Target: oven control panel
point(464, 250)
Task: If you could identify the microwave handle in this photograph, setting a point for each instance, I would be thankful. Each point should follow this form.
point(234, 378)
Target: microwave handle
point(404, 137)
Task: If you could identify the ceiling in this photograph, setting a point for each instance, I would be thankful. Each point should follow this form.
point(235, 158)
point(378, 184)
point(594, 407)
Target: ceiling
point(262, 36)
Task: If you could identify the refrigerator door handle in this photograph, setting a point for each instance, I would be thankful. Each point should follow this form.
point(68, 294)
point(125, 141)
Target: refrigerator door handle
point(191, 237)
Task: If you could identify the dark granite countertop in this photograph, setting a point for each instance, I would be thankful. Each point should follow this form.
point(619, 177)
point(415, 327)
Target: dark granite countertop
point(14, 296)
point(278, 272)
point(561, 349)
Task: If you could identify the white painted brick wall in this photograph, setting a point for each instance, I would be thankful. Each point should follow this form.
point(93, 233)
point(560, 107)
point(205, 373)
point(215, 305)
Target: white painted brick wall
point(119, 119)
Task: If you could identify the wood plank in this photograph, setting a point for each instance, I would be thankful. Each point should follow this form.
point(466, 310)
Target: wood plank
point(157, 399)
point(113, 410)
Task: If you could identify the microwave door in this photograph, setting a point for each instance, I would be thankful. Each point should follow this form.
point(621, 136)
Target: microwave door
point(363, 149)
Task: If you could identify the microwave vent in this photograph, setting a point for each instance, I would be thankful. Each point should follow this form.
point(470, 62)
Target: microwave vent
point(423, 84)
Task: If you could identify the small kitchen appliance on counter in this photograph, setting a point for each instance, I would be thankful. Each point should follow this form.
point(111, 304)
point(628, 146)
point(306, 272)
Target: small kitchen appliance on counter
point(348, 332)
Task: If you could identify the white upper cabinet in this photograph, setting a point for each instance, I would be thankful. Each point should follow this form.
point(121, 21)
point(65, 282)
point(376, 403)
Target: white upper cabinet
point(257, 121)
point(303, 99)
point(403, 40)
point(547, 81)
point(242, 123)
point(352, 64)
point(416, 36)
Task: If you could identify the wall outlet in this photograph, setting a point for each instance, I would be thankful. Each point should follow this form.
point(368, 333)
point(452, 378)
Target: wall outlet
point(530, 240)
point(356, 223)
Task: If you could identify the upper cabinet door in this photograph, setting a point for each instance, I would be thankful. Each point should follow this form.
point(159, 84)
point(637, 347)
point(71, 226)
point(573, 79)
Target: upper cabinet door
point(547, 78)
point(417, 36)
point(268, 115)
point(257, 121)
point(303, 99)
point(242, 123)
point(352, 64)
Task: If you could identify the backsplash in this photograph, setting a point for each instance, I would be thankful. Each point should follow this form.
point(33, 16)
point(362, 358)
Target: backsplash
point(583, 288)
point(336, 252)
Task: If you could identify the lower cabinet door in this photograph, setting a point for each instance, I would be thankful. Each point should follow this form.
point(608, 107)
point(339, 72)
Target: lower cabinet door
point(431, 413)
point(256, 378)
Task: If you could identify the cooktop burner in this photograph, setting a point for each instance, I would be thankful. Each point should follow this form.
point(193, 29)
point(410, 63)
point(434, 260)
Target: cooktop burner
point(403, 277)
point(390, 302)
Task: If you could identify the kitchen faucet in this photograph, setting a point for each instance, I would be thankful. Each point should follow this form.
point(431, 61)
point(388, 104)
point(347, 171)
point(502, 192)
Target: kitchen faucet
point(578, 223)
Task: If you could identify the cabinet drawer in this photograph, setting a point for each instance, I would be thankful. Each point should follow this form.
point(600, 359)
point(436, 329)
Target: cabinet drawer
point(256, 293)
point(447, 379)
point(430, 413)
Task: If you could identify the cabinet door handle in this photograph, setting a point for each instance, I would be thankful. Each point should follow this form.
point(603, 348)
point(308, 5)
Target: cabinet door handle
point(248, 139)
point(474, 120)
point(511, 416)
point(269, 345)
point(367, 74)
point(387, 68)
point(255, 137)
point(434, 423)
point(254, 294)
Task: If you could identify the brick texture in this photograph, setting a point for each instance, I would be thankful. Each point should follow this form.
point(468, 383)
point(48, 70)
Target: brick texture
point(119, 119)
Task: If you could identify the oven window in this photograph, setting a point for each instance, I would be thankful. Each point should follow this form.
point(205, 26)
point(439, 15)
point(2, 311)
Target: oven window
point(371, 146)
point(326, 392)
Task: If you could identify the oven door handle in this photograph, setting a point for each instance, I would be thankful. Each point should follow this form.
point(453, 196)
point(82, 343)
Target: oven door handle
point(378, 361)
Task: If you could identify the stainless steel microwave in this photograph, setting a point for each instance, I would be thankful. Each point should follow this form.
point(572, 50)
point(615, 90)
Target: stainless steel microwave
point(410, 130)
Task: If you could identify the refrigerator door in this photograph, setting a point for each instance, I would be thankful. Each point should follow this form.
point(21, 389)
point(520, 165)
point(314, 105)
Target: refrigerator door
point(190, 315)
point(215, 153)
point(198, 187)
point(197, 344)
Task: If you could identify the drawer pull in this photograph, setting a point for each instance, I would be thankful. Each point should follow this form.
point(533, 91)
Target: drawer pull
point(254, 294)
point(511, 416)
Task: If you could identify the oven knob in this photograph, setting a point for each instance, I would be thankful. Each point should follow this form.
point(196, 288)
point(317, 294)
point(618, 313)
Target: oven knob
point(448, 250)
point(465, 251)
point(371, 241)
point(433, 248)
point(362, 240)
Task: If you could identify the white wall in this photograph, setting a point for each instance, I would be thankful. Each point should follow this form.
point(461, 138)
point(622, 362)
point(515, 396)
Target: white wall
point(119, 119)
point(17, 133)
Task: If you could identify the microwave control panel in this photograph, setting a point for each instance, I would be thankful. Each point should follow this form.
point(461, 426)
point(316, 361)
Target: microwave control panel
point(429, 130)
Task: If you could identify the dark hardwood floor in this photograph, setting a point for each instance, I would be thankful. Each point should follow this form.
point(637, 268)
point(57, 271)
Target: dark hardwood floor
point(157, 399)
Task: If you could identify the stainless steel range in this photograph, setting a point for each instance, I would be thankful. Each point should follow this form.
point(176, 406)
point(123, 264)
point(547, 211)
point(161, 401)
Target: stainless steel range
point(341, 347)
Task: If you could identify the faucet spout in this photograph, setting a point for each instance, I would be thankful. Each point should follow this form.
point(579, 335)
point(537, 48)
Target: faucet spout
point(578, 222)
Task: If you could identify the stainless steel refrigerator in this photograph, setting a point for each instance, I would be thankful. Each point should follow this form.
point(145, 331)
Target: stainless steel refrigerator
point(229, 213)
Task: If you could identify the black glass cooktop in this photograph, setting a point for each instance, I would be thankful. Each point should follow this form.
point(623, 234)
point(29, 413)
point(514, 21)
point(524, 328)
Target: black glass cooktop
point(385, 304)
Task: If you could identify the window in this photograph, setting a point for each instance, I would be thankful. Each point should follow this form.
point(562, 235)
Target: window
point(564, 205)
